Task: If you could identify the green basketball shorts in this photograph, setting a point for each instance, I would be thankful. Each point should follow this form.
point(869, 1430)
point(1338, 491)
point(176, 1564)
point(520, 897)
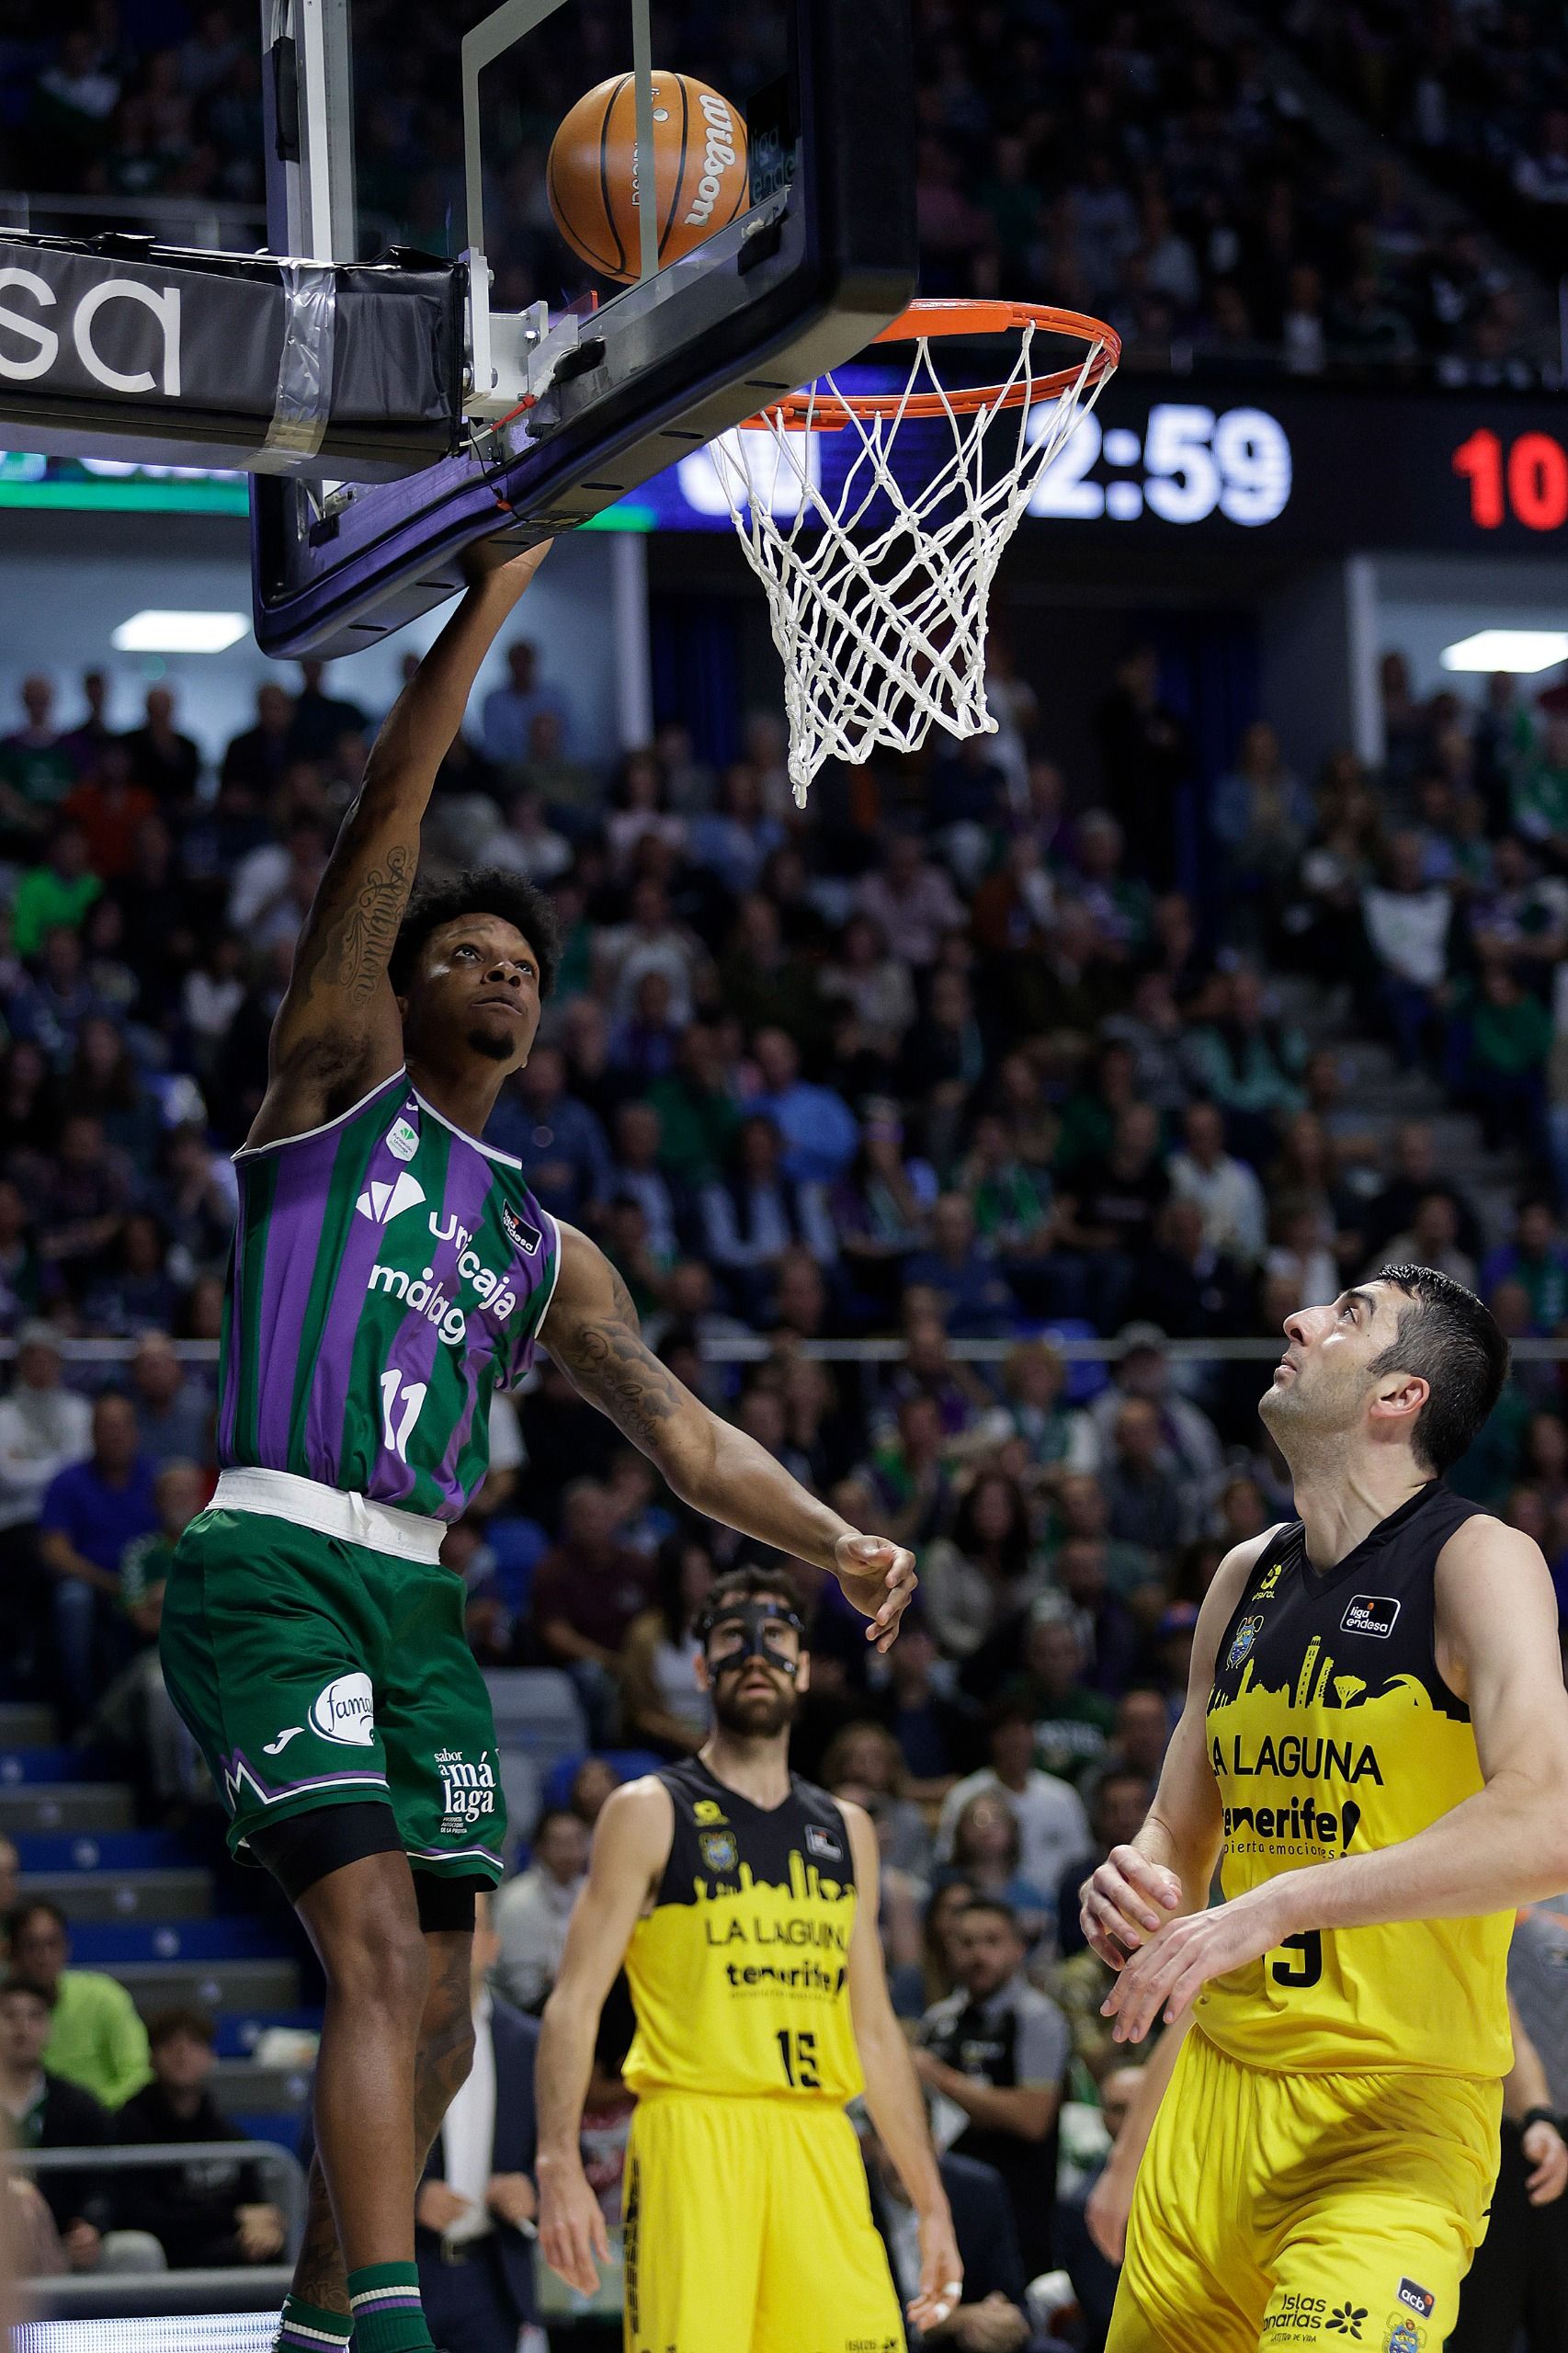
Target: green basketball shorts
point(313, 1670)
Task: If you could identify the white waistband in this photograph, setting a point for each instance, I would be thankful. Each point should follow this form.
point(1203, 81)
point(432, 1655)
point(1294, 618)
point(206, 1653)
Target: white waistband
point(331, 1511)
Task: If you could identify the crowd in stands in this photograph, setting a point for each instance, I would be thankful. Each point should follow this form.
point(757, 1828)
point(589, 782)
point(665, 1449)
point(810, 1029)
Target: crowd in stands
point(1138, 162)
point(1479, 94)
point(949, 1060)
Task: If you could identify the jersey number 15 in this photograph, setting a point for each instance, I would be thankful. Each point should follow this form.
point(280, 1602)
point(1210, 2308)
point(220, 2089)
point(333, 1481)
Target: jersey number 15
point(799, 2054)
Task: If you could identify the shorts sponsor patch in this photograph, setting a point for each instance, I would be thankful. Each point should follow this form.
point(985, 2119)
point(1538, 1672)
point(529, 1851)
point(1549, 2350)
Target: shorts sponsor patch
point(344, 1711)
point(1369, 1613)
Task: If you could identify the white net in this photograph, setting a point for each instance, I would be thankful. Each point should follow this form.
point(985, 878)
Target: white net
point(878, 591)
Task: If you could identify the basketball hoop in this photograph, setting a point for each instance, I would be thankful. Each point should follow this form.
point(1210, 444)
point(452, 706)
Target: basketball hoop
point(883, 634)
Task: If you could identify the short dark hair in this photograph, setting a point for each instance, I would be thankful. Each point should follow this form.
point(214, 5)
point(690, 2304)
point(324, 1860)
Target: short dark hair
point(16, 1918)
point(484, 891)
point(181, 2017)
point(1001, 1908)
point(757, 1583)
point(25, 1985)
point(1452, 1341)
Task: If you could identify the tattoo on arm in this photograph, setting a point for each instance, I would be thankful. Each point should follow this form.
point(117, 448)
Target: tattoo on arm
point(349, 945)
point(609, 1362)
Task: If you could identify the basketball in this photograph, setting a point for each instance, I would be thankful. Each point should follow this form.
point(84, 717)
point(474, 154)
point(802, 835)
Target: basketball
point(700, 170)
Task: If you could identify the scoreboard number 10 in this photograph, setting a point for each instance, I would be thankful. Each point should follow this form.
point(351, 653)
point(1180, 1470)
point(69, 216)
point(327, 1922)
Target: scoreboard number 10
point(1529, 482)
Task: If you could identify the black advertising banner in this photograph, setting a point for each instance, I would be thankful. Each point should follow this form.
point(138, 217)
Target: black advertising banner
point(117, 344)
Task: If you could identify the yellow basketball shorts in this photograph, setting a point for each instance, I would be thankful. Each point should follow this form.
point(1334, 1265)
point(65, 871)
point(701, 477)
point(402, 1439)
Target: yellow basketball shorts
point(1305, 2213)
point(749, 2230)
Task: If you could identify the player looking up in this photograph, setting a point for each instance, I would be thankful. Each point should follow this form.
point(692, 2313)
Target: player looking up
point(744, 1903)
point(388, 1272)
point(1376, 1738)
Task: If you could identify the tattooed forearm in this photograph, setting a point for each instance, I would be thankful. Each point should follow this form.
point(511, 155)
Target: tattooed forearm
point(359, 948)
point(612, 1366)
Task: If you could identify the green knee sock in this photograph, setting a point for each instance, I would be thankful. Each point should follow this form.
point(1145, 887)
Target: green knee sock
point(388, 2314)
point(305, 2328)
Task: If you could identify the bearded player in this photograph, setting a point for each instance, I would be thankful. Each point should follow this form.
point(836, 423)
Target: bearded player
point(1376, 1739)
point(390, 1272)
point(744, 1903)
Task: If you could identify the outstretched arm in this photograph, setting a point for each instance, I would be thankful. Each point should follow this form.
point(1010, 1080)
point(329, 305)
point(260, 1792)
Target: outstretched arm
point(893, 2093)
point(1506, 1846)
point(631, 1845)
point(337, 1029)
point(592, 1333)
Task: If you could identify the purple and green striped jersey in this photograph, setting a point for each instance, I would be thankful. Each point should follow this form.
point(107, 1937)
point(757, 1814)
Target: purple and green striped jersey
point(388, 1274)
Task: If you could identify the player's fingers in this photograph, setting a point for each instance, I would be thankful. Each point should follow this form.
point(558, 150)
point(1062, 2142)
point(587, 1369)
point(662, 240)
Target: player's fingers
point(598, 2231)
point(1126, 1899)
point(1150, 1879)
point(1100, 1912)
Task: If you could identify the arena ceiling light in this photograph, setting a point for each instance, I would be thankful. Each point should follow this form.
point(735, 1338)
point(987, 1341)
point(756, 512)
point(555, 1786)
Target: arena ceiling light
point(1522, 650)
point(159, 632)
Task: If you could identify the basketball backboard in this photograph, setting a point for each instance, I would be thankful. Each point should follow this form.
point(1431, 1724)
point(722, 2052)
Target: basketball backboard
point(576, 388)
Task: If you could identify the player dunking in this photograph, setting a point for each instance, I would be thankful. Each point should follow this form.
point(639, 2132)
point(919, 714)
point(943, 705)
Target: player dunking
point(743, 1902)
point(390, 1272)
point(1376, 1735)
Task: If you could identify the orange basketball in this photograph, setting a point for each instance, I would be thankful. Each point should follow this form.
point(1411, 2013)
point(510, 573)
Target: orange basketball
point(700, 171)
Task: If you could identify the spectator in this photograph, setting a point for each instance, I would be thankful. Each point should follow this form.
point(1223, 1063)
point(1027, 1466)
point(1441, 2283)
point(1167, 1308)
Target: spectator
point(662, 1707)
point(1119, 1807)
point(1141, 1488)
point(559, 1142)
point(977, 1296)
point(57, 895)
point(256, 759)
point(136, 1715)
point(533, 1911)
point(1144, 1370)
point(509, 711)
point(165, 765)
point(211, 2213)
point(1408, 921)
point(1247, 1061)
point(1071, 1723)
point(586, 1591)
point(1057, 1437)
point(36, 769)
point(319, 720)
point(96, 2040)
point(760, 1213)
point(987, 1845)
point(174, 1412)
point(46, 2112)
point(1145, 756)
point(1225, 1189)
point(43, 1425)
point(996, 2053)
point(816, 1128)
point(477, 2197)
point(991, 2317)
point(698, 1115)
point(1415, 1175)
point(935, 1732)
point(910, 900)
point(1433, 1241)
point(978, 1578)
point(109, 807)
point(91, 1511)
point(1053, 1824)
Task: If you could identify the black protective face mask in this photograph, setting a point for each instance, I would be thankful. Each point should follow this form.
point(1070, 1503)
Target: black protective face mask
point(744, 1632)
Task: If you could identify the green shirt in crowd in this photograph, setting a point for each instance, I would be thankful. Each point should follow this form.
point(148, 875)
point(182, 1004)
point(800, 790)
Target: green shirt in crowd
point(98, 2039)
point(44, 899)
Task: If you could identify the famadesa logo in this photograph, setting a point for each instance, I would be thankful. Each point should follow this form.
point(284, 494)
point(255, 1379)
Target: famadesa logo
point(344, 1711)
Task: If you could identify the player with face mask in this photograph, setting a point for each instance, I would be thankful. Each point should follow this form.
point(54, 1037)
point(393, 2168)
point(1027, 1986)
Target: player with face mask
point(742, 1903)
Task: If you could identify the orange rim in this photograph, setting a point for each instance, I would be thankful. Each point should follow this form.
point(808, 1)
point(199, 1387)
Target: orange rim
point(930, 321)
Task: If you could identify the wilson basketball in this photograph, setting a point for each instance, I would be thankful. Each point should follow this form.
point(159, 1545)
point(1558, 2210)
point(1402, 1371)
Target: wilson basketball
point(700, 171)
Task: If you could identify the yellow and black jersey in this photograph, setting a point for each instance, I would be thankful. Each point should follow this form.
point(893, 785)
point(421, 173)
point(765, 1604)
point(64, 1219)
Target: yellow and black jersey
point(1330, 1732)
point(739, 1975)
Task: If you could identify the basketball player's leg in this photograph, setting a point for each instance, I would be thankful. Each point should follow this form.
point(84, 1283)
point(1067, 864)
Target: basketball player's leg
point(826, 2281)
point(1191, 2281)
point(1374, 2191)
point(694, 2209)
point(442, 2065)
